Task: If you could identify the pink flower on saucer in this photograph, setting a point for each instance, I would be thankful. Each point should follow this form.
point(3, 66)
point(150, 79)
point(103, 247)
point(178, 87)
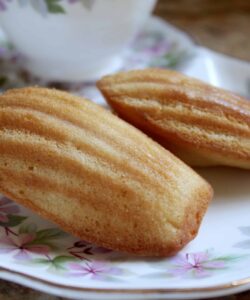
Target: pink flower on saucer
point(198, 265)
point(95, 270)
point(22, 245)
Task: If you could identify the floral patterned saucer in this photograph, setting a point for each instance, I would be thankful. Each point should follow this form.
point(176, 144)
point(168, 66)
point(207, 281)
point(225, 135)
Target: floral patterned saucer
point(158, 45)
point(35, 253)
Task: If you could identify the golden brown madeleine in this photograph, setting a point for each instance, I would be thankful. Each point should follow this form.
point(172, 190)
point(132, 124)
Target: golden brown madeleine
point(201, 124)
point(96, 176)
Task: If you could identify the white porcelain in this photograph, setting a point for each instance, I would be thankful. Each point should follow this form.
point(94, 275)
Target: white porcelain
point(83, 43)
point(34, 253)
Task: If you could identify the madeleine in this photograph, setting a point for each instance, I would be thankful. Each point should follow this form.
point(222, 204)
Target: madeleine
point(96, 176)
point(201, 124)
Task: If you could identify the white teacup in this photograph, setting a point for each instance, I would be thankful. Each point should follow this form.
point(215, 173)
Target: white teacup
point(73, 40)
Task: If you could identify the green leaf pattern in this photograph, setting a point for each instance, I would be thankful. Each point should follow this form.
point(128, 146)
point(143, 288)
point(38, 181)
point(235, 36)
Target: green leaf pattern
point(55, 251)
point(13, 221)
point(44, 7)
point(54, 6)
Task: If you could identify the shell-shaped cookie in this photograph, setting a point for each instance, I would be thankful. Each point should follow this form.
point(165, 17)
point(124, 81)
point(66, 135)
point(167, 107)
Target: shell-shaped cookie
point(96, 176)
point(201, 124)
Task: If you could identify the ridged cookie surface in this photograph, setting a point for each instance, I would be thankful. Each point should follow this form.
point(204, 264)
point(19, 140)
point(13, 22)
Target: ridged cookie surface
point(201, 124)
point(96, 176)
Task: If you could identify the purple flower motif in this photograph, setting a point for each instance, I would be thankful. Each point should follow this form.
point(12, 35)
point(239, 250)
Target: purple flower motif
point(94, 270)
point(45, 6)
point(3, 4)
point(150, 48)
point(198, 265)
point(2, 51)
point(7, 207)
point(158, 49)
point(22, 246)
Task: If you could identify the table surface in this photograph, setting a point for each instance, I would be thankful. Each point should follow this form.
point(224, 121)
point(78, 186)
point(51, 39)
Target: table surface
point(223, 26)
